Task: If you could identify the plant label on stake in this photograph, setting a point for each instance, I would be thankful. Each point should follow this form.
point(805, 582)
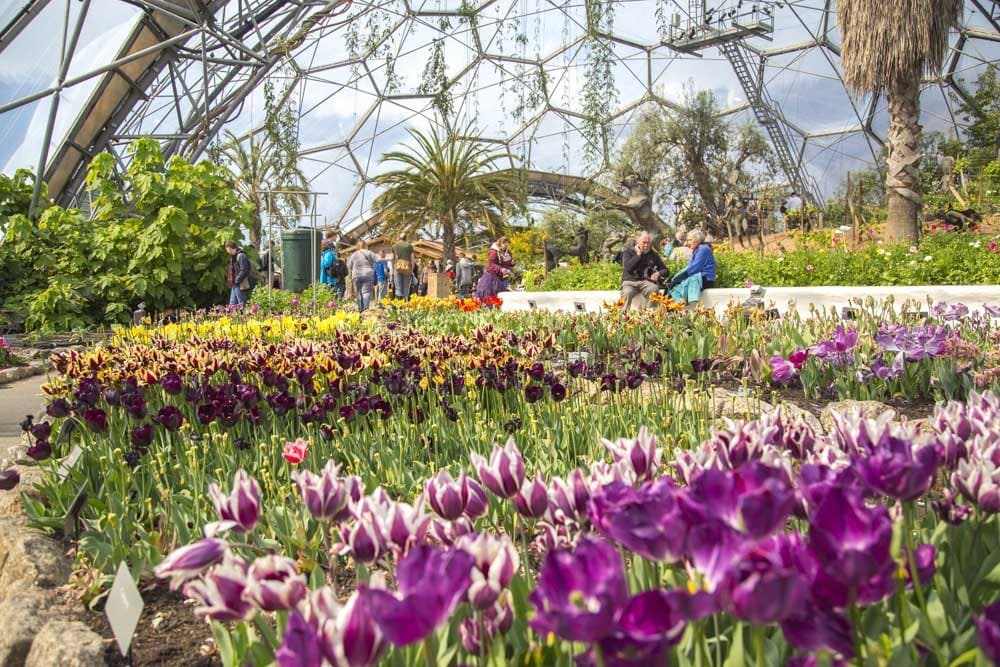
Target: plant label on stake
point(68, 462)
point(123, 608)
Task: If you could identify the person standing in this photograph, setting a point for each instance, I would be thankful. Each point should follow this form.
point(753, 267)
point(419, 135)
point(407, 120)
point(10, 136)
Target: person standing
point(381, 277)
point(361, 265)
point(499, 264)
point(326, 263)
point(641, 268)
point(240, 280)
point(402, 270)
point(464, 273)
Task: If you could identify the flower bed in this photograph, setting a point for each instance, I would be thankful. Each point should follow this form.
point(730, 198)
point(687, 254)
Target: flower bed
point(405, 401)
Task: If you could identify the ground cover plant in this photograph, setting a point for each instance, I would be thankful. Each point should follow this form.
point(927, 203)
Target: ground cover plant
point(382, 408)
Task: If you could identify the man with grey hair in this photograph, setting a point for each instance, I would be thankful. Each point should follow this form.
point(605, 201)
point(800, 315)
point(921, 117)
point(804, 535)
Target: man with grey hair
point(641, 268)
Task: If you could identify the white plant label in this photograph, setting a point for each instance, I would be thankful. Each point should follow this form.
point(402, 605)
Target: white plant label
point(124, 607)
point(70, 461)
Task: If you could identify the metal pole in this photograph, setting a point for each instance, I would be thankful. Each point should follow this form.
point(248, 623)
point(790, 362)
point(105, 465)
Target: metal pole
point(65, 57)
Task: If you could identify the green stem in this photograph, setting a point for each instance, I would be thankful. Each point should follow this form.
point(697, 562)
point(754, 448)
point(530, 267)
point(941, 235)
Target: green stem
point(483, 652)
point(599, 655)
point(758, 644)
point(908, 511)
point(856, 626)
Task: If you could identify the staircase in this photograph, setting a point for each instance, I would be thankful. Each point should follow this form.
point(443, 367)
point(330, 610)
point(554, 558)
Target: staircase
point(770, 118)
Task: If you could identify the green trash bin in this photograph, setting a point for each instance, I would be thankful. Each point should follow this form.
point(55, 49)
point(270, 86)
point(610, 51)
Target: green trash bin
point(300, 254)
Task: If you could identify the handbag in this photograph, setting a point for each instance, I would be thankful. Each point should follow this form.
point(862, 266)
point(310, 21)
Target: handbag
point(245, 285)
point(404, 266)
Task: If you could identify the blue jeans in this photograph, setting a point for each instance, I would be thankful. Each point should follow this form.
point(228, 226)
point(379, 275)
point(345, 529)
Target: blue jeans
point(402, 283)
point(382, 288)
point(237, 297)
point(363, 288)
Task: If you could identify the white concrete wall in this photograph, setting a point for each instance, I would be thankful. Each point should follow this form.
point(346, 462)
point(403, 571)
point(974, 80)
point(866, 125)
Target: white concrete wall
point(782, 298)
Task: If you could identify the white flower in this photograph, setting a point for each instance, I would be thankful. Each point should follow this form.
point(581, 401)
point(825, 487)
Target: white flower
point(974, 244)
point(927, 258)
point(913, 261)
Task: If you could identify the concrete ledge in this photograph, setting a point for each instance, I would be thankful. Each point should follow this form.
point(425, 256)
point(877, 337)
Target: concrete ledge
point(15, 373)
point(801, 299)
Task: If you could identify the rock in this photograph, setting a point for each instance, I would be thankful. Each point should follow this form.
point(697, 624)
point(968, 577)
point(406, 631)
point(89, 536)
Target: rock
point(17, 454)
point(11, 503)
point(870, 409)
point(67, 644)
point(795, 412)
point(28, 558)
point(738, 407)
point(22, 614)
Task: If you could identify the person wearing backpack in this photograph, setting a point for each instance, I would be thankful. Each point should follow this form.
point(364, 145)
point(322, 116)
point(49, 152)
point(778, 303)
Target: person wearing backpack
point(241, 275)
point(361, 265)
point(381, 277)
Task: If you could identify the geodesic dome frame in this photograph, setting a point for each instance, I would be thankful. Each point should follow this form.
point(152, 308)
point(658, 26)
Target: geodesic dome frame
point(557, 82)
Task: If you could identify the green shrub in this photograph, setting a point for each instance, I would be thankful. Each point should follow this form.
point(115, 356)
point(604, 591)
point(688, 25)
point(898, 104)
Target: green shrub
point(280, 301)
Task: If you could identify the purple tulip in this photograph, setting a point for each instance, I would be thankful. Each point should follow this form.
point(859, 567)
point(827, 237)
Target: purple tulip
point(915, 343)
point(713, 547)
point(362, 538)
point(135, 406)
point(503, 474)
point(496, 562)
point(558, 391)
point(496, 620)
point(782, 370)
point(569, 498)
point(533, 393)
point(894, 469)
point(169, 418)
point(580, 593)
point(762, 589)
point(220, 592)
point(9, 479)
point(190, 561)
point(41, 430)
point(641, 453)
point(142, 436)
point(240, 510)
point(478, 502)
point(327, 495)
point(988, 626)
point(850, 540)
point(647, 521)
point(978, 479)
point(432, 582)
point(755, 499)
point(96, 420)
point(300, 645)
point(533, 498)
point(817, 629)
point(172, 384)
point(650, 623)
point(273, 583)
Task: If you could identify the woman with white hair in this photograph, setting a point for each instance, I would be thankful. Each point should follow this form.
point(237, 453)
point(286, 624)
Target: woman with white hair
point(699, 274)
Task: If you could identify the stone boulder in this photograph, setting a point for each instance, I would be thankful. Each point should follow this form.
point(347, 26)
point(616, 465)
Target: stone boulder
point(870, 409)
point(11, 503)
point(795, 412)
point(738, 407)
point(22, 614)
point(67, 644)
point(29, 558)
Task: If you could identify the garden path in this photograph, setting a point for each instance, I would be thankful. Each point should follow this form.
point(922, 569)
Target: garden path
point(18, 399)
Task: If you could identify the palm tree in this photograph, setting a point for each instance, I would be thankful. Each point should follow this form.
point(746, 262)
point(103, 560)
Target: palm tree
point(259, 169)
point(446, 182)
point(888, 47)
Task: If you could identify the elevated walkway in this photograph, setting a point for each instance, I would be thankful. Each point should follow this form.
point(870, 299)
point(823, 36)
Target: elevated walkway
point(784, 299)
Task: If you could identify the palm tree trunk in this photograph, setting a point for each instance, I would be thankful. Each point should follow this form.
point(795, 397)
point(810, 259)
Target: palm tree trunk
point(903, 162)
point(448, 238)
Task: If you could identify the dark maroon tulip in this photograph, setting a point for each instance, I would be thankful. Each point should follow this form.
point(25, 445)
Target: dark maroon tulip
point(558, 391)
point(169, 418)
point(346, 412)
point(206, 413)
point(172, 384)
point(536, 372)
point(135, 406)
point(58, 408)
point(96, 420)
point(113, 397)
point(41, 430)
point(40, 451)
point(9, 479)
point(818, 629)
point(850, 540)
point(142, 436)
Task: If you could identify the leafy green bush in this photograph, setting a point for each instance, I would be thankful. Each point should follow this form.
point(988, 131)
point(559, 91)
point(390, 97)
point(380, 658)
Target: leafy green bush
point(163, 246)
point(280, 301)
point(940, 259)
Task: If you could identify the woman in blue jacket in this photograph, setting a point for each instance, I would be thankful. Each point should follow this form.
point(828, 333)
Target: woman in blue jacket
point(698, 275)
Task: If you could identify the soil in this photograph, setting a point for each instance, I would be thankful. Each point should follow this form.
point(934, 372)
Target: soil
point(168, 635)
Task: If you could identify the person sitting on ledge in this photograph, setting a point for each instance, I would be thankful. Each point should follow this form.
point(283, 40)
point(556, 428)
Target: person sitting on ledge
point(641, 268)
point(698, 275)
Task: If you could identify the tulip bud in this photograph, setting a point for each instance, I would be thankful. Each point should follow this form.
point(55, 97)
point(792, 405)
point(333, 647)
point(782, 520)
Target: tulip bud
point(533, 498)
point(273, 583)
point(504, 473)
point(190, 561)
point(240, 510)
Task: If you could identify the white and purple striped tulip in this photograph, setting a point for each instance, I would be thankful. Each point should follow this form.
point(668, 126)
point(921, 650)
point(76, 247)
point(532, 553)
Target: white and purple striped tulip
point(220, 592)
point(496, 562)
point(190, 561)
point(641, 453)
point(533, 498)
point(274, 583)
point(503, 474)
point(240, 510)
point(327, 495)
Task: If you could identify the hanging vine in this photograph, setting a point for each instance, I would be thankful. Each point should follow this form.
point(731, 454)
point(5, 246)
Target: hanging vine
point(600, 95)
point(434, 79)
point(662, 20)
point(373, 38)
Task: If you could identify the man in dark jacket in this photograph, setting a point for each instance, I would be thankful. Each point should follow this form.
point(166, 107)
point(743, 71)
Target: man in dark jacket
point(240, 282)
point(641, 268)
